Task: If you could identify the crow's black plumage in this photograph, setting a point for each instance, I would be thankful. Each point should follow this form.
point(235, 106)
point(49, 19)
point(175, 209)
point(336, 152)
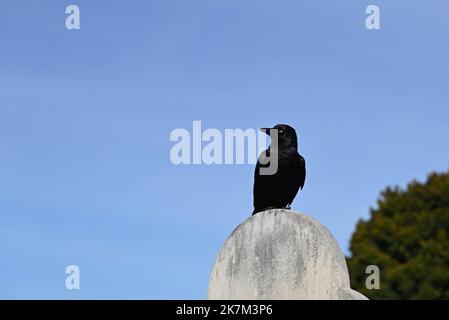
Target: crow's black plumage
point(279, 189)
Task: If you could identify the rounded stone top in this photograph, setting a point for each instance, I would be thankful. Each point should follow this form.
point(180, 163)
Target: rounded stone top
point(280, 254)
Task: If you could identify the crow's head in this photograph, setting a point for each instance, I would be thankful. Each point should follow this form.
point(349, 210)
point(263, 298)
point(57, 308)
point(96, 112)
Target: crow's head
point(286, 135)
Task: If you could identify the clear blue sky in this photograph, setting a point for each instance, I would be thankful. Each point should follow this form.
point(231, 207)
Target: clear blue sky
point(85, 119)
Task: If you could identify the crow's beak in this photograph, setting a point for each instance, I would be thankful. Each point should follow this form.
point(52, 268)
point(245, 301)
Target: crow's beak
point(266, 130)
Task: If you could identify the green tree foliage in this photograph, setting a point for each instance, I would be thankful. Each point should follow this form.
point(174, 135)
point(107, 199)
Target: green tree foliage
point(407, 237)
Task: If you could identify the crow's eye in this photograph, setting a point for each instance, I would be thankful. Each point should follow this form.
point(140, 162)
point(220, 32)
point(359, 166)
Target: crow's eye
point(281, 131)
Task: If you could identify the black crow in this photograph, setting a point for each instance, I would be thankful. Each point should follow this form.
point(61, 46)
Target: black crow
point(276, 191)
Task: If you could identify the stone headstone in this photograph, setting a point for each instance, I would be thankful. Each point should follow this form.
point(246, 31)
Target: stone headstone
point(280, 254)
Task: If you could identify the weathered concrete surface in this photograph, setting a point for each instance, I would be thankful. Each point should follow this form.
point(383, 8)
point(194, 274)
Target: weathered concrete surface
point(280, 254)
